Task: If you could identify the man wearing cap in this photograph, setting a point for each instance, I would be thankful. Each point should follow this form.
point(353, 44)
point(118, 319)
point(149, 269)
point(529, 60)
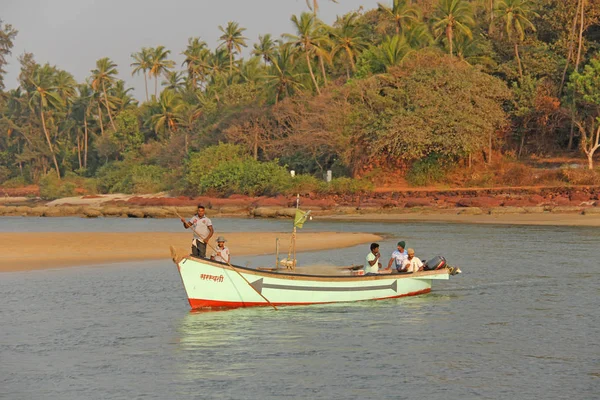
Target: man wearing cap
point(398, 256)
point(221, 253)
point(203, 231)
point(412, 263)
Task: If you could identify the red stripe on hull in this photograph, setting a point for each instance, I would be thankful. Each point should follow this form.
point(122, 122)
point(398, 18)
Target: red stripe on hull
point(197, 304)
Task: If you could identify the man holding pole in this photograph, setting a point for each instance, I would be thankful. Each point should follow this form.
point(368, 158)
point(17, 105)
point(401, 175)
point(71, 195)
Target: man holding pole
point(203, 231)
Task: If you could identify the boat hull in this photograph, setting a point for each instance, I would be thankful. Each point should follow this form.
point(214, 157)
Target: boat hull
point(210, 284)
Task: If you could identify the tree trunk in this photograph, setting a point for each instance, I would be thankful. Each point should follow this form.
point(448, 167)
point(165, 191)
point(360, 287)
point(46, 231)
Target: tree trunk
point(490, 150)
point(49, 143)
point(351, 59)
point(590, 157)
point(570, 50)
point(146, 85)
point(449, 35)
point(156, 87)
point(79, 151)
point(255, 147)
point(322, 64)
point(85, 141)
point(518, 60)
point(100, 118)
point(580, 42)
point(521, 146)
point(312, 74)
point(108, 108)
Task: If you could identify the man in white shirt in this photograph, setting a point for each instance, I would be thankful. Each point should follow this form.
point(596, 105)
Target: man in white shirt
point(412, 263)
point(372, 263)
point(398, 256)
point(203, 231)
point(221, 253)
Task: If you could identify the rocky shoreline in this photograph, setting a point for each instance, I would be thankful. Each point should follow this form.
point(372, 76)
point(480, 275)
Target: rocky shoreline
point(497, 201)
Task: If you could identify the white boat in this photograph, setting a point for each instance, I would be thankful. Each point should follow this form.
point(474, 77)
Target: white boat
point(211, 284)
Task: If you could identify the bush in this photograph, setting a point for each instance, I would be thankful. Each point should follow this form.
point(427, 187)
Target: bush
point(4, 174)
point(53, 188)
point(580, 176)
point(305, 184)
point(123, 177)
point(16, 182)
point(249, 177)
point(427, 171)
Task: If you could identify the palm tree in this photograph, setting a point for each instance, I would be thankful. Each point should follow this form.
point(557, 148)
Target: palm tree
point(168, 115)
point(402, 14)
point(516, 15)
point(121, 97)
point(283, 79)
point(142, 64)
point(349, 37)
point(392, 51)
point(265, 48)
point(231, 39)
point(65, 84)
point(419, 36)
point(44, 96)
point(306, 39)
point(451, 15)
point(174, 81)
point(195, 59)
point(160, 65)
point(102, 77)
point(313, 5)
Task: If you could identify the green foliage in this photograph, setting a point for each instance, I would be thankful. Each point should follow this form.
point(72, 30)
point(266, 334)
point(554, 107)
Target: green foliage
point(16, 182)
point(341, 186)
point(53, 188)
point(427, 171)
point(128, 135)
point(202, 163)
point(4, 174)
point(305, 184)
point(249, 177)
point(126, 177)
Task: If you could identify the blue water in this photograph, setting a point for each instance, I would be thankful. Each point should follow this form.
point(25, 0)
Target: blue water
point(522, 322)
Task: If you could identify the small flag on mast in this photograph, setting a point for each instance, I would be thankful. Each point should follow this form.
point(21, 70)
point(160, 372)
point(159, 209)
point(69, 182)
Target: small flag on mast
point(300, 218)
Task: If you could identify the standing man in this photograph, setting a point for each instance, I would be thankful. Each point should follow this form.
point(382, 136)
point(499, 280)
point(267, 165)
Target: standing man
point(372, 263)
point(398, 256)
point(203, 231)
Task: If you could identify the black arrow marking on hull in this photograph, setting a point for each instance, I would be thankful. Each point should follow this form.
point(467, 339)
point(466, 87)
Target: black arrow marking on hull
point(259, 285)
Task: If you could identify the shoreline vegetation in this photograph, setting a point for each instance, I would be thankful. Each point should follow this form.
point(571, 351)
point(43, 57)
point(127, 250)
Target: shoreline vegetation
point(458, 93)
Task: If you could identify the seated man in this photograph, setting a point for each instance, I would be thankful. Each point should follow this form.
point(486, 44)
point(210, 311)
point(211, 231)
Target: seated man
point(412, 263)
point(221, 253)
point(398, 256)
point(372, 263)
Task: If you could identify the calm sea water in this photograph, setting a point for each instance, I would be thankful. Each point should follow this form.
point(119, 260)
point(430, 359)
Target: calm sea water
point(522, 322)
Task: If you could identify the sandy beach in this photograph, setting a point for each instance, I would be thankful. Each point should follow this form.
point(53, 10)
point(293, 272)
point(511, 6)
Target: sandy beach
point(44, 250)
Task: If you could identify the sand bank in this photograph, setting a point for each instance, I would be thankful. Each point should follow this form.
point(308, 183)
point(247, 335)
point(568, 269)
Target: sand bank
point(548, 219)
point(31, 251)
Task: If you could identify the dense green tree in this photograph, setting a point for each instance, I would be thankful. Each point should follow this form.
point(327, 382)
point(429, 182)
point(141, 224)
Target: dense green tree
point(7, 37)
point(349, 37)
point(306, 39)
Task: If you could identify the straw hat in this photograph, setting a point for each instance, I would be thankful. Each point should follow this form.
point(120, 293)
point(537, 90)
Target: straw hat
point(221, 239)
point(410, 252)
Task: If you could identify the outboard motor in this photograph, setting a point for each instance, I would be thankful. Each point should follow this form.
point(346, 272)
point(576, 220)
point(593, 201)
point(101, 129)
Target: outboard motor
point(437, 262)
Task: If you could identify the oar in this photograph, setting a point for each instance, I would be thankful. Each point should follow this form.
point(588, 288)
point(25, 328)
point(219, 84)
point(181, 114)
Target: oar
point(235, 269)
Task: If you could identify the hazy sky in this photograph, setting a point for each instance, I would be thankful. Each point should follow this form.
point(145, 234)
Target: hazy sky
point(73, 34)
